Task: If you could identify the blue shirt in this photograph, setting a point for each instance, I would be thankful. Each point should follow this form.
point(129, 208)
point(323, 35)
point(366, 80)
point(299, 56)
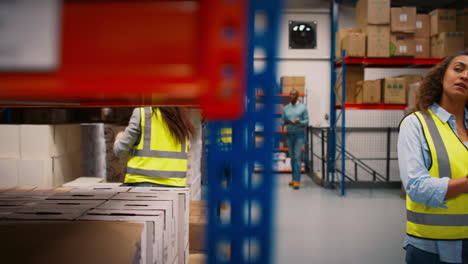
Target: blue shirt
point(295, 112)
point(414, 159)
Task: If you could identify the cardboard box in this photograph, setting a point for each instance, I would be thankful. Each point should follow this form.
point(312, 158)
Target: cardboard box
point(79, 242)
point(402, 44)
point(168, 212)
point(358, 99)
point(372, 12)
point(10, 141)
point(394, 90)
point(443, 20)
point(116, 168)
point(403, 19)
point(355, 44)
point(198, 222)
point(38, 213)
point(43, 141)
point(340, 35)
point(9, 172)
point(423, 26)
point(182, 220)
point(411, 78)
point(422, 49)
point(371, 92)
point(68, 204)
point(101, 189)
point(288, 83)
point(462, 23)
point(411, 96)
point(82, 196)
point(353, 75)
point(446, 44)
point(37, 172)
point(152, 235)
point(378, 41)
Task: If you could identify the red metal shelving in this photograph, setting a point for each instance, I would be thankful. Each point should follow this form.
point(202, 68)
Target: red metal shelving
point(352, 106)
point(390, 61)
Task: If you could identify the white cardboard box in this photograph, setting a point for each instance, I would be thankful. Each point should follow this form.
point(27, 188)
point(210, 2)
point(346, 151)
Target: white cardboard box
point(36, 172)
point(101, 189)
point(82, 196)
point(9, 172)
point(69, 204)
point(170, 227)
point(43, 141)
point(183, 197)
point(151, 240)
point(10, 141)
point(34, 213)
point(83, 182)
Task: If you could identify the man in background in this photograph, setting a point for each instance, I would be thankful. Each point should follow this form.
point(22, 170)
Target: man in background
point(296, 119)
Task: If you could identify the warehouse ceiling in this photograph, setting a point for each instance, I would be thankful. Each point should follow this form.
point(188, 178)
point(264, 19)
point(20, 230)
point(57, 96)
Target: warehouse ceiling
point(423, 6)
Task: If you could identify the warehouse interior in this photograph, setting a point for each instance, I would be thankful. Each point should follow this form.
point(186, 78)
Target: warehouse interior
point(73, 71)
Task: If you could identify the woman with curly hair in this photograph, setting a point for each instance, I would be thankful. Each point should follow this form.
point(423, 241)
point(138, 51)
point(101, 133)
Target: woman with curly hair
point(433, 160)
point(156, 141)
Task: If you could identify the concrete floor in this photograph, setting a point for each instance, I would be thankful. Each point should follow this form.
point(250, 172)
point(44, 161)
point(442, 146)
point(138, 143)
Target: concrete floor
point(316, 225)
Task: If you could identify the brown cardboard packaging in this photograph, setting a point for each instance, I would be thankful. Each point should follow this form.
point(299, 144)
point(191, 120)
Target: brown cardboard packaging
point(394, 90)
point(423, 26)
point(403, 19)
point(355, 44)
point(443, 20)
point(462, 23)
point(198, 222)
point(371, 92)
point(422, 49)
point(373, 12)
point(402, 44)
point(79, 242)
point(354, 74)
point(378, 41)
point(446, 44)
point(340, 35)
point(288, 83)
point(358, 99)
point(411, 78)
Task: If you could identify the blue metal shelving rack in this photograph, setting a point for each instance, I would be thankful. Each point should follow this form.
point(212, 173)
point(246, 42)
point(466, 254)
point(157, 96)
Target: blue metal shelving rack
point(244, 238)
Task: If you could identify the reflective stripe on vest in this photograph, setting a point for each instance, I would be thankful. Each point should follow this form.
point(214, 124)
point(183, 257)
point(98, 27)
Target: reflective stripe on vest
point(161, 161)
point(226, 135)
point(441, 223)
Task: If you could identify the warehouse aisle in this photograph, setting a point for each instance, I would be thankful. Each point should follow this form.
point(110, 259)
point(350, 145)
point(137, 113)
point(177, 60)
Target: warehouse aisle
point(314, 225)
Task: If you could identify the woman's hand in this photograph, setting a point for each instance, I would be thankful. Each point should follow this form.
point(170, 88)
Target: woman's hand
point(119, 135)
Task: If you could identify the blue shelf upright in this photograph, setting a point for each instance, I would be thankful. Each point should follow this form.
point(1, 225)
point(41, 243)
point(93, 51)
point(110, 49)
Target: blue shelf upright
point(245, 235)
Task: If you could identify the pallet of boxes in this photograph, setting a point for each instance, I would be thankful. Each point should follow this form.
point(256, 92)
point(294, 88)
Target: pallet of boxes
point(94, 224)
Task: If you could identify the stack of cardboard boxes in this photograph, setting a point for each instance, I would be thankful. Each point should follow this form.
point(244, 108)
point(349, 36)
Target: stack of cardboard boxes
point(391, 90)
point(403, 28)
point(445, 40)
point(39, 155)
point(462, 24)
point(373, 18)
point(162, 213)
point(289, 83)
point(382, 31)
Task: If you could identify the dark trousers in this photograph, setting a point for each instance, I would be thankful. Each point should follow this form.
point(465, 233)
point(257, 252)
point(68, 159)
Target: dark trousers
point(415, 255)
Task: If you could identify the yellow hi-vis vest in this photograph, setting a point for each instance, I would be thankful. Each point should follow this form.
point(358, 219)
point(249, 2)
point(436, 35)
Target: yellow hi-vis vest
point(157, 158)
point(226, 135)
point(449, 159)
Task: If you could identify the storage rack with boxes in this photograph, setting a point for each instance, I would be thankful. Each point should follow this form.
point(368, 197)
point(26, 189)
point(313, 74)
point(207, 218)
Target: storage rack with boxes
point(369, 82)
